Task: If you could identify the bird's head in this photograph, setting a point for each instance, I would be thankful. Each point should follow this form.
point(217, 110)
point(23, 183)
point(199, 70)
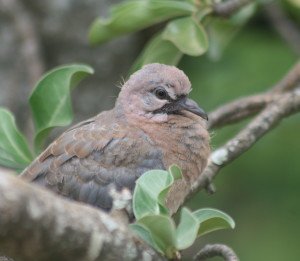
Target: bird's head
point(157, 91)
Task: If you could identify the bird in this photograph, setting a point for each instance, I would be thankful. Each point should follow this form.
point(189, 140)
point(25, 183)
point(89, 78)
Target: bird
point(152, 126)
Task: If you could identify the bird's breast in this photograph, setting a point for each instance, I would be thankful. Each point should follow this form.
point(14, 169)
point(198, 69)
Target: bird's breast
point(185, 143)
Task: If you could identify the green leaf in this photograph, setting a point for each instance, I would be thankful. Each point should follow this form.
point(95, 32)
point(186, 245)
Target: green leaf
point(187, 230)
point(7, 160)
point(212, 219)
point(187, 35)
point(14, 150)
point(151, 189)
point(143, 203)
point(144, 233)
point(163, 232)
point(158, 50)
point(175, 171)
point(175, 174)
point(147, 189)
point(50, 100)
point(244, 14)
point(134, 15)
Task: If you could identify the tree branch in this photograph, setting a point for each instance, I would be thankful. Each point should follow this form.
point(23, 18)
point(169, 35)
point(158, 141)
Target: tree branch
point(237, 110)
point(38, 225)
point(290, 81)
point(221, 250)
point(263, 123)
point(247, 106)
point(282, 102)
point(284, 106)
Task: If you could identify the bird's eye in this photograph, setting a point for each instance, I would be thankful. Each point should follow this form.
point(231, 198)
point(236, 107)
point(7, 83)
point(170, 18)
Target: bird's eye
point(161, 93)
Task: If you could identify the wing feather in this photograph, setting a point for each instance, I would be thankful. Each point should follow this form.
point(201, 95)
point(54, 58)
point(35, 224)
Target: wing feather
point(89, 160)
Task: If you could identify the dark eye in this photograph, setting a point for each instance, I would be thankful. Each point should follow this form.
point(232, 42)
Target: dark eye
point(161, 93)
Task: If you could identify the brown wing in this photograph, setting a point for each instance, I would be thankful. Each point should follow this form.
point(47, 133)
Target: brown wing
point(89, 160)
point(79, 141)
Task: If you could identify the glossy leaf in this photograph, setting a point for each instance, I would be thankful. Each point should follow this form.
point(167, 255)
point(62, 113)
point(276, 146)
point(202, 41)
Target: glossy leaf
point(212, 219)
point(144, 233)
point(187, 35)
point(158, 50)
point(50, 101)
point(14, 150)
point(187, 230)
point(162, 231)
point(134, 15)
point(151, 190)
point(147, 189)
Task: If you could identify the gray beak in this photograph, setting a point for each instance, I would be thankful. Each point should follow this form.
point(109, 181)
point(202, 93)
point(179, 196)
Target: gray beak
point(192, 106)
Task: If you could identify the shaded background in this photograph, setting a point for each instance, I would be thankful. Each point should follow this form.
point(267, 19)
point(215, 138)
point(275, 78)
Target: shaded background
point(260, 190)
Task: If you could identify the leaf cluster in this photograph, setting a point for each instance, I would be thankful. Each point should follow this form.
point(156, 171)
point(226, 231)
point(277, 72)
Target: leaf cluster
point(188, 27)
point(156, 226)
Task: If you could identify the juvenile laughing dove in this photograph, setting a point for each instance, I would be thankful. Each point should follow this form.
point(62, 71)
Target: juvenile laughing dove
point(152, 126)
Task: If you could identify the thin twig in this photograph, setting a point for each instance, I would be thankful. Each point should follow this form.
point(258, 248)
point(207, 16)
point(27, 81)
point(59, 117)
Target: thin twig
point(237, 110)
point(214, 250)
point(242, 108)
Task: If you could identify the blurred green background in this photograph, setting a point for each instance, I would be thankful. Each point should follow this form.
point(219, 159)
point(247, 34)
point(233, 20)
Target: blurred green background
point(260, 190)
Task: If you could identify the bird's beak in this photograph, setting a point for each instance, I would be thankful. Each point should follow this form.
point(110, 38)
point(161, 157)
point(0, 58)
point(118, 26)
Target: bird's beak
point(192, 106)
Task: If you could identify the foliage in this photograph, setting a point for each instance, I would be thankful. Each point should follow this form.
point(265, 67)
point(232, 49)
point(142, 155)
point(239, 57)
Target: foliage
point(134, 15)
point(188, 26)
point(50, 101)
point(154, 223)
point(14, 150)
point(51, 106)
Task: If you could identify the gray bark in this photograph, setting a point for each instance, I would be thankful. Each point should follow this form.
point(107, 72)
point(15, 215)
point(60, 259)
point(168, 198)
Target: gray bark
point(38, 225)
